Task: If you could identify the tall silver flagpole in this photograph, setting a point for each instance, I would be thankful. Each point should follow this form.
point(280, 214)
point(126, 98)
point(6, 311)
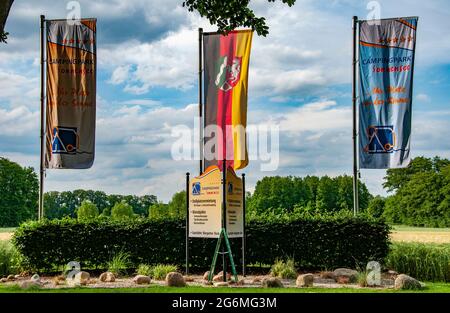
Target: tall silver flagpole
point(41, 165)
point(355, 144)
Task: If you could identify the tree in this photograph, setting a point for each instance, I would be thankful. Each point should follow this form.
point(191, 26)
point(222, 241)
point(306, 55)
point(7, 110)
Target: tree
point(376, 206)
point(158, 210)
point(121, 211)
point(231, 14)
point(18, 193)
point(87, 211)
point(5, 6)
point(421, 193)
point(177, 205)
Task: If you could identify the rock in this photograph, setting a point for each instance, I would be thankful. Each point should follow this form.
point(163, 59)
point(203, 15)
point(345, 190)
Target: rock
point(345, 275)
point(17, 276)
point(272, 282)
point(10, 278)
point(406, 282)
point(221, 284)
point(206, 275)
point(256, 280)
point(29, 284)
point(82, 278)
point(188, 278)
point(107, 277)
point(240, 282)
point(35, 278)
point(207, 283)
point(219, 277)
point(59, 280)
point(142, 279)
point(305, 280)
point(175, 279)
point(3, 280)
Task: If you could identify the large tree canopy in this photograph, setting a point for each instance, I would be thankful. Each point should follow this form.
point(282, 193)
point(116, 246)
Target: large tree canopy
point(18, 193)
point(421, 193)
point(230, 14)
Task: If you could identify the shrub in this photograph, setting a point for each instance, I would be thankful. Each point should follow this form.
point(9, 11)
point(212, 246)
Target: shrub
point(119, 263)
point(9, 259)
point(144, 269)
point(283, 269)
point(121, 210)
point(314, 241)
point(427, 262)
point(87, 210)
point(160, 271)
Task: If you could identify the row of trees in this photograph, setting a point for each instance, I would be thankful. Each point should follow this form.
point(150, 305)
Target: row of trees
point(281, 195)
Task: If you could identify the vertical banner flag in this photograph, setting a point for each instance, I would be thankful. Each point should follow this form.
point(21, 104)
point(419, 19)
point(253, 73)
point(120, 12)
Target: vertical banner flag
point(226, 60)
point(386, 64)
point(71, 93)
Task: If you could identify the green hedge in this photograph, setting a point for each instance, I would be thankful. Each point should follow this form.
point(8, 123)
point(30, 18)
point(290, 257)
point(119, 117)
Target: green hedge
point(316, 242)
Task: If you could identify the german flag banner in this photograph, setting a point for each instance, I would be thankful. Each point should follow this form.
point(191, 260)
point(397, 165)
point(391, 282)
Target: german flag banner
point(71, 93)
point(226, 59)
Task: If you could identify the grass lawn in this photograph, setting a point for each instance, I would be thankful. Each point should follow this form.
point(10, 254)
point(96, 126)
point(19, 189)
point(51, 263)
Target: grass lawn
point(430, 288)
point(401, 228)
point(7, 230)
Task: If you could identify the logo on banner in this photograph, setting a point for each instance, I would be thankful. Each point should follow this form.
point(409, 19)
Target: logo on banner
point(196, 189)
point(64, 140)
point(228, 72)
point(381, 139)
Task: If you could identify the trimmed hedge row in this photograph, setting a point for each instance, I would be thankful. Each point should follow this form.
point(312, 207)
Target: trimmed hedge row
point(316, 242)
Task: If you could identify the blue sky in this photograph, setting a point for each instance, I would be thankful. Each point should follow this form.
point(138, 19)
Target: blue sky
point(147, 83)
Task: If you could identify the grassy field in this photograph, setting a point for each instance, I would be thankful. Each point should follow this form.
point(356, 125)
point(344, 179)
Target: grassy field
point(420, 234)
point(430, 288)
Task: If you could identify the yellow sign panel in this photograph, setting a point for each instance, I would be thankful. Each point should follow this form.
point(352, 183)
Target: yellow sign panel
point(235, 216)
point(205, 204)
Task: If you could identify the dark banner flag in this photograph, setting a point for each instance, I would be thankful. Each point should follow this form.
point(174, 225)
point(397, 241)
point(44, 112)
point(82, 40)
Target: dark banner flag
point(71, 94)
point(386, 64)
point(226, 84)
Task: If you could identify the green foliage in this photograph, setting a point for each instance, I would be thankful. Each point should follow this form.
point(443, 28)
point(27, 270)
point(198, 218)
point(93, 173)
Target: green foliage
point(64, 204)
point(18, 193)
point(285, 270)
point(177, 205)
point(160, 271)
point(158, 210)
point(119, 263)
point(422, 193)
point(121, 211)
point(230, 14)
point(145, 269)
point(87, 210)
point(426, 262)
point(376, 206)
point(284, 195)
point(9, 259)
point(314, 241)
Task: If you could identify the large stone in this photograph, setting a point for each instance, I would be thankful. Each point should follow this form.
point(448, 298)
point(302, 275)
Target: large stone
point(406, 282)
point(175, 279)
point(82, 278)
point(35, 278)
point(107, 277)
point(305, 280)
point(206, 275)
point(3, 280)
point(345, 275)
point(142, 279)
point(272, 282)
point(11, 278)
point(219, 277)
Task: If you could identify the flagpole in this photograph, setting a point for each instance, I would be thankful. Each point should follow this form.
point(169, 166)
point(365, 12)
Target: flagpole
point(200, 95)
point(355, 161)
point(41, 165)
